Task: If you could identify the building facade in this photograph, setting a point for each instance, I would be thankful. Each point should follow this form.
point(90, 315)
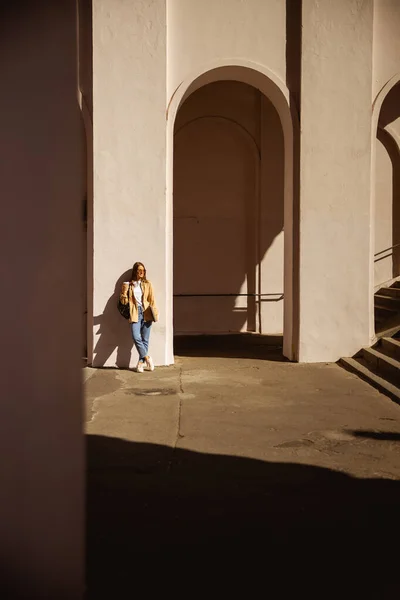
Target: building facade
point(235, 147)
point(247, 151)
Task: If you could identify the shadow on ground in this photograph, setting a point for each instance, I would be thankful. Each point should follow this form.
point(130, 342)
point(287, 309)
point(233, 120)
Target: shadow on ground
point(390, 436)
point(174, 521)
point(242, 345)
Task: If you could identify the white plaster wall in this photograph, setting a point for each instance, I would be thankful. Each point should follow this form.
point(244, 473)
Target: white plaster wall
point(129, 170)
point(129, 103)
point(42, 185)
point(335, 178)
point(386, 46)
point(200, 33)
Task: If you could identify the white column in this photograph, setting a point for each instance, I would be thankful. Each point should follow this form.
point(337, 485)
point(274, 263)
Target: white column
point(335, 219)
point(129, 128)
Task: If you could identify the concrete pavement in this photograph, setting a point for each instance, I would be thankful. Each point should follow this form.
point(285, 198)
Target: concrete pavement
point(218, 453)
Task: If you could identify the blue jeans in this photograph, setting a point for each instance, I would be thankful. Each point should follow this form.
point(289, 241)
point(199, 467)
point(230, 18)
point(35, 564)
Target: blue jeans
point(141, 334)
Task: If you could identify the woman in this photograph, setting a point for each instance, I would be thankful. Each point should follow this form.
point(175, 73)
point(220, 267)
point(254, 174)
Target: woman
point(143, 311)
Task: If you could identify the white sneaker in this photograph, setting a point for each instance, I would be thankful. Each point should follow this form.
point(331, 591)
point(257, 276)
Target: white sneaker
point(150, 364)
point(140, 367)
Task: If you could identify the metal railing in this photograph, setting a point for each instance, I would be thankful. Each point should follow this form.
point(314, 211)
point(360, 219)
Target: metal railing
point(383, 252)
point(269, 297)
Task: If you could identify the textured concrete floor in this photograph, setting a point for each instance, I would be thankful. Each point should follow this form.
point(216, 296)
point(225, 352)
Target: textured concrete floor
point(239, 462)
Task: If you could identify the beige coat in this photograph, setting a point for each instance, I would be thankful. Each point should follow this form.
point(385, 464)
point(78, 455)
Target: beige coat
point(148, 300)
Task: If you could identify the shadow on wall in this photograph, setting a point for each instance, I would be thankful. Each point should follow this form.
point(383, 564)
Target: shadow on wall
point(388, 133)
point(393, 151)
point(390, 110)
point(161, 519)
point(85, 74)
point(114, 331)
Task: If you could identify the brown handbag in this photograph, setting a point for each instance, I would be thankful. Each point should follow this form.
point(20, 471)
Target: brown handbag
point(153, 314)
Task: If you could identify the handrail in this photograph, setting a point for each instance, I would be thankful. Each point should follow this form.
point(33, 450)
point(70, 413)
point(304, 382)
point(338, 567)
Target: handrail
point(226, 295)
point(387, 250)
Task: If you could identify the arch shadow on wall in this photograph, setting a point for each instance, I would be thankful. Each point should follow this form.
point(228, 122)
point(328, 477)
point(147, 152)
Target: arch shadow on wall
point(385, 187)
point(393, 150)
point(277, 94)
point(385, 111)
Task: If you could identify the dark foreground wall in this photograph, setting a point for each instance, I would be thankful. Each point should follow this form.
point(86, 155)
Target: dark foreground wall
point(41, 465)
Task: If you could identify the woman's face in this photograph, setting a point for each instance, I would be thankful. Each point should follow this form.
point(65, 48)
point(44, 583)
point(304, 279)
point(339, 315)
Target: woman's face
point(140, 272)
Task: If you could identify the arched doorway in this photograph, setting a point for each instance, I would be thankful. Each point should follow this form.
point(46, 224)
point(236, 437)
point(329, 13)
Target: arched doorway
point(387, 207)
point(268, 94)
point(228, 212)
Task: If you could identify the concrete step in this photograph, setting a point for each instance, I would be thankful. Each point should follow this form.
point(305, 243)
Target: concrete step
point(384, 314)
point(390, 347)
point(386, 328)
point(394, 292)
point(386, 366)
point(363, 369)
point(385, 310)
point(388, 301)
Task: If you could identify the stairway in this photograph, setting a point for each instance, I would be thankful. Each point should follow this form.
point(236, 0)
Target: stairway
point(387, 308)
point(380, 365)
